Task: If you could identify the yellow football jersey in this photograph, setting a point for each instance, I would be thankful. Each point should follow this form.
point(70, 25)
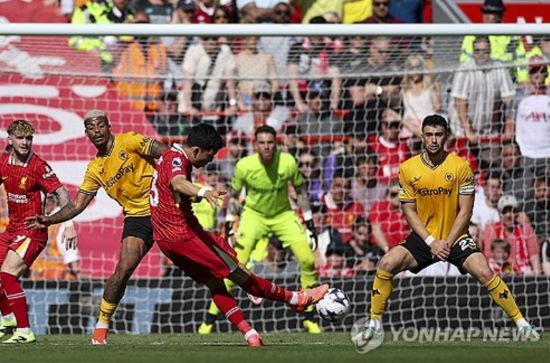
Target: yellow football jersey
point(435, 190)
point(125, 173)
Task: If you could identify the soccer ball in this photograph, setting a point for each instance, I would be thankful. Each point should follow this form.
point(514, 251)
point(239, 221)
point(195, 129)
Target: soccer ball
point(334, 306)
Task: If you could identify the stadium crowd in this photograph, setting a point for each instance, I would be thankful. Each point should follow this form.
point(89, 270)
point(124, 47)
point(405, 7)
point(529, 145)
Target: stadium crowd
point(349, 110)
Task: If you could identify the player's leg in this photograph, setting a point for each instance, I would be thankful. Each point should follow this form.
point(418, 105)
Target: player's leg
point(137, 239)
point(290, 231)
point(258, 286)
point(228, 305)
point(7, 322)
point(468, 258)
point(22, 253)
point(413, 254)
point(251, 229)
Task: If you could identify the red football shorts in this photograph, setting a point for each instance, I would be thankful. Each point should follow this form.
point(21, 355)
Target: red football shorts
point(202, 257)
point(22, 242)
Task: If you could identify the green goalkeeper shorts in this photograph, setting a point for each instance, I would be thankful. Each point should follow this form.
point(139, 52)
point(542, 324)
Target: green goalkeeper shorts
point(254, 226)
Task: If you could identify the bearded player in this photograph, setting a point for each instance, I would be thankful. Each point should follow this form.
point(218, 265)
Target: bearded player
point(25, 177)
point(123, 167)
point(437, 198)
point(205, 257)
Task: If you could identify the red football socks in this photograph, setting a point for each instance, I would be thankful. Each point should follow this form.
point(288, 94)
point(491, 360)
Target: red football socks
point(16, 298)
point(227, 305)
point(257, 286)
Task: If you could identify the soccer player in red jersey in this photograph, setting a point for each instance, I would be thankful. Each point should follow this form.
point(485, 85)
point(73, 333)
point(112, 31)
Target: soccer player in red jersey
point(204, 256)
point(25, 177)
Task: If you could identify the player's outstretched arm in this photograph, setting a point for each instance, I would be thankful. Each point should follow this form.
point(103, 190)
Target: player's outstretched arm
point(181, 185)
point(438, 249)
point(305, 207)
point(70, 210)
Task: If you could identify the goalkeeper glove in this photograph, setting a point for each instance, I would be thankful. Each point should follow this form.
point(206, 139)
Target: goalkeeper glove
point(311, 234)
point(229, 233)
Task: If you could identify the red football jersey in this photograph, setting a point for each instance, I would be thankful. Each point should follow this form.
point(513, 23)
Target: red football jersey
point(390, 155)
point(24, 186)
point(171, 214)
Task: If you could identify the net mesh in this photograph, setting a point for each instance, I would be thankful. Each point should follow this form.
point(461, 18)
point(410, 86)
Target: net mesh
point(349, 110)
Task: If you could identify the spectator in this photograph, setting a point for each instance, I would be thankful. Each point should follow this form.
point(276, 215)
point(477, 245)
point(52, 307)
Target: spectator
point(421, 97)
point(208, 69)
point(388, 223)
point(524, 252)
point(254, 66)
point(339, 210)
point(119, 12)
point(166, 119)
point(502, 47)
point(365, 187)
point(291, 139)
point(360, 254)
point(538, 209)
point(204, 11)
point(369, 93)
point(159, 11)
point(279, 47)
point(236, 150)
point(532, 119)
point(312, 58)
point(318, 119)
point(390, 151)
point(500, 250)
point(139, 73)
point(381, 13)
point(311, 170)
point(57, 262)
point(93, 12)
point(221, 16)
point(515, 179)
point(257, 11)
point(480, 89)
point(177, 46)
point(343, 158)
point(262, 112)
point(410, 11)
point(485, 205)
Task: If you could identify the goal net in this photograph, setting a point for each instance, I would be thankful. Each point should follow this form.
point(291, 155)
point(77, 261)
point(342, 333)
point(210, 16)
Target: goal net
point(348, 107)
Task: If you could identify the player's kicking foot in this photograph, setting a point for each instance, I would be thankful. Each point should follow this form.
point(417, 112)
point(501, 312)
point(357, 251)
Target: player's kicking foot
point(20, 337)
point(254, 340)
point(312, 327)
point(99, 337)
point(530, 333)
point(7, 326)
point(310, 297)
point(205, 329)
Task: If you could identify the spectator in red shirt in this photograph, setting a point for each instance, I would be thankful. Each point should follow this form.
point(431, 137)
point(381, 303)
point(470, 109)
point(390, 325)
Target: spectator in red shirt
point(524, 252)
point(390, 152)
point(388, 223)
point(339, 210)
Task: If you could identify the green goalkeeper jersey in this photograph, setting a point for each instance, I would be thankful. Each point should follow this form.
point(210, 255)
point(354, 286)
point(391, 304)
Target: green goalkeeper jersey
point(267, 186)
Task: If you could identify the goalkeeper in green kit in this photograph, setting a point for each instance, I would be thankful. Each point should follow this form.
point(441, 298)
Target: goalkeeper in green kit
point(265, 175)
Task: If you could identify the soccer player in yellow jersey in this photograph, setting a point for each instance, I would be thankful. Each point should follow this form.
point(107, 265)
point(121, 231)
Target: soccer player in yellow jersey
point(437, 198)
point(124, 167)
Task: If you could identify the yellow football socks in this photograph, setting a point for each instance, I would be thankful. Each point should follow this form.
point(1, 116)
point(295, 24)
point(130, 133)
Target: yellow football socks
point(381, 290)
point(106, 311)
point(502, 295)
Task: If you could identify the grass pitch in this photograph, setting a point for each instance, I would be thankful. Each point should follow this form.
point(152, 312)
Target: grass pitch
point(285, 347)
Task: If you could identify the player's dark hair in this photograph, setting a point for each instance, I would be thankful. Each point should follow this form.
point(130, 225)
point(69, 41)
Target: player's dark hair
point(265, 129)
point(206, 137)
point(493, 174)
point(435, 120)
